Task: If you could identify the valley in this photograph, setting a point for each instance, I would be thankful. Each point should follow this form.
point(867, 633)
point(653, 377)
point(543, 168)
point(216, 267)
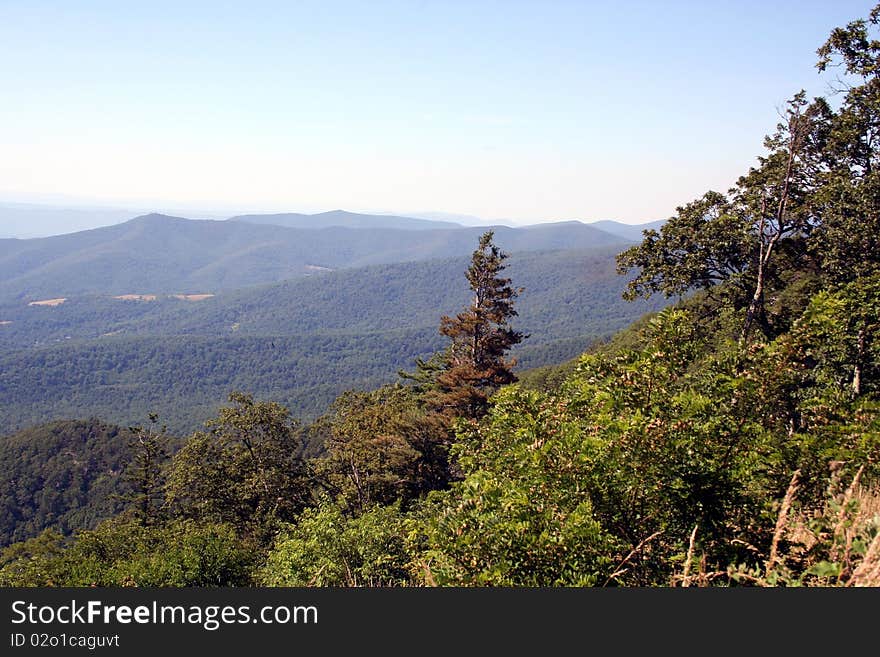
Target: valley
point(112, 351)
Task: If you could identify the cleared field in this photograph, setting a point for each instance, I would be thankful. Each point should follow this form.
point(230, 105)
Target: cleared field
point(192, 297)
point(48, 302)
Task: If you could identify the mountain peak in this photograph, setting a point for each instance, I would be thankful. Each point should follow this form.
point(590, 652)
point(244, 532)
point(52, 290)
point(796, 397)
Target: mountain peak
point(156, 217)
point(338, 212)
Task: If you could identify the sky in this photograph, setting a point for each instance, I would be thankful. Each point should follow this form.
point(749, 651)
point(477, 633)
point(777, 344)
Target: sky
point(523, 111)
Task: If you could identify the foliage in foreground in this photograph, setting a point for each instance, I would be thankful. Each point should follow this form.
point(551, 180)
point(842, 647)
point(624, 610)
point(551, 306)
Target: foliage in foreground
point(122, 552)
point(669, 464)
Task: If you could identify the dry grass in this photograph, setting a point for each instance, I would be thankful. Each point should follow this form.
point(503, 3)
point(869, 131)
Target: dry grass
point(622, 566)
point(868, 504)
point(686, 573)
point(851, 517)
point(867, 572)
point(782, 520)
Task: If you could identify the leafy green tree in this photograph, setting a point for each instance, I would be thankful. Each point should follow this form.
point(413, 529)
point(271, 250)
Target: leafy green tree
point(704, 244)
point(36, 561)
point(521, 516)
point(188, 554)
point(734, 240)
point(381, 447)
point(243, 470)
point(329, 548)
point(123, 552)
point(677, 446)
point(775, 195)
point(840, 333)
point(144, 472)
point(848, 239)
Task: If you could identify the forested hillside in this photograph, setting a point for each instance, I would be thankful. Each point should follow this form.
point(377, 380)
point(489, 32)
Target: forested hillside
point(569, 293)
point(65, 475)
point(301, 342)
point(157, 254)
point(184, 379)
point(732, 439)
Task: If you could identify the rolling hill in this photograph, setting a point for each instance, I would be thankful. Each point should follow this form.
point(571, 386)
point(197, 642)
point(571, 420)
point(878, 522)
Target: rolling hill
point(630, 232)
point(162, 254)
point(343, 219)
point(567, 293)
point(301, 342)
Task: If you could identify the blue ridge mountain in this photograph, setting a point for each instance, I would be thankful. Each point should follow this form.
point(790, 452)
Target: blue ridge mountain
point(164, 254)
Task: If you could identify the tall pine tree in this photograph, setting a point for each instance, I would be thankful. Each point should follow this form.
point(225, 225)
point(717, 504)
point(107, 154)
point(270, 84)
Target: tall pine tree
point(475, 363)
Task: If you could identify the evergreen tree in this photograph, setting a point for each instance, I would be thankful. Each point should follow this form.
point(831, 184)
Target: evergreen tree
point(475, 365)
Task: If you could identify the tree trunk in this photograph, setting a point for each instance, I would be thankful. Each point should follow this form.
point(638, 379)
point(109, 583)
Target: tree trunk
point(755, 306)
point(857, 371)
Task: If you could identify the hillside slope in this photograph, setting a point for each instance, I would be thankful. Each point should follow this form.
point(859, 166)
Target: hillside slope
point(567, 294)
point(156, 253)
point(64, 475)
point(301, 342)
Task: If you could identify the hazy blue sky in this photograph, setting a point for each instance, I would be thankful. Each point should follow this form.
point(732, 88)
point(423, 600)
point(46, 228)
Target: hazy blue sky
point(524, 110)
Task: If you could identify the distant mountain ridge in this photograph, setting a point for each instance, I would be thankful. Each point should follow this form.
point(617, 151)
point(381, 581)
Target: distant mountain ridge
point(34, 220)
point(631, 232)
point(344, 219)
point(161, 254)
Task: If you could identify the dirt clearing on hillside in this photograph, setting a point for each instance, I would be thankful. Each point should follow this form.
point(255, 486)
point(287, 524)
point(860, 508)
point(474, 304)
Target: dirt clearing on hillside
point(48, 302)
point(192, 297)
